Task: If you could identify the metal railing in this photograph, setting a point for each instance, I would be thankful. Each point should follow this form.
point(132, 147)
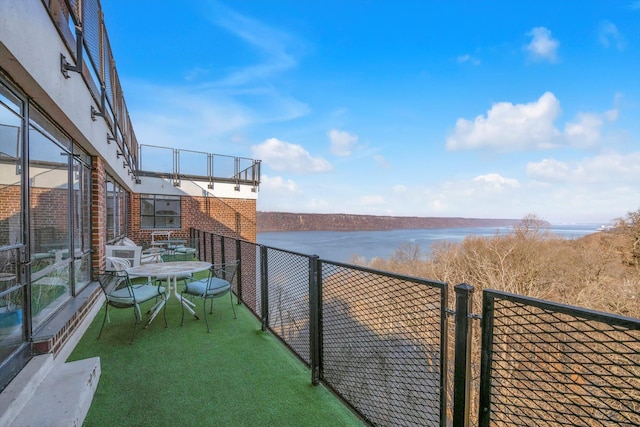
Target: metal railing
point(171, 163)
point(380, 342)
point(82, 28)
point(376, 339)
point(81, 25)
point(545, 363)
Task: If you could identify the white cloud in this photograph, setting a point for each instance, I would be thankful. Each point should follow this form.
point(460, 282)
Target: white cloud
point(496, 182)
point(542, 47)
point(278, 184)
point(585, 131)
point(284, 156)
point(342, 143)
point(372, 200)
point(201, 114)
point(275, 47)
point(195, 115)
point(316, 205)
point(399, 189)
point(468, 58)
point(196, 73)
point(381, 161)
point(609, 36)
point(206, 108)
point(509, 127)
point(548, 170)
point(607, 169)
point(278, 193)
point(516, 127)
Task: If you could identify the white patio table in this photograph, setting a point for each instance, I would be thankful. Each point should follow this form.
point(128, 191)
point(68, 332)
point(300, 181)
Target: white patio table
point(169, 271)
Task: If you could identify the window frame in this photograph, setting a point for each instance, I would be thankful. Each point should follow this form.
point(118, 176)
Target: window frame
point(154, 221)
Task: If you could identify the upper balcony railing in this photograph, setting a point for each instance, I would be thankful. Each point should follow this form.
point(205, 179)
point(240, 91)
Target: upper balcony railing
point(174, 164)
point(81, 25)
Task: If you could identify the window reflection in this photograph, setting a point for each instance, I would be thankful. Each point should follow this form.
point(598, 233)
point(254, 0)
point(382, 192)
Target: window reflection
point(116, 210)
point(11, 304)
point(51, 248)
point(159, 211)
point(81, 218)
point(10, 165)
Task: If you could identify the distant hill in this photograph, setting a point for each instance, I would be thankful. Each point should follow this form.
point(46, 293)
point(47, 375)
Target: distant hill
point(286, 221)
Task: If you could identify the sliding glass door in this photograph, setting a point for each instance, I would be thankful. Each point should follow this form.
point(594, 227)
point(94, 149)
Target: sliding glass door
point(15, 350)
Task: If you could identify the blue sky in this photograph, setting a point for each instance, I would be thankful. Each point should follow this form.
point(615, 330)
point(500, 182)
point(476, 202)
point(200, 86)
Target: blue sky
point(489, 109)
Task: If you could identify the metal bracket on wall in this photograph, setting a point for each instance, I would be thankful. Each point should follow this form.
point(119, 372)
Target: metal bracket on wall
point(65, 66)
point(99, 113)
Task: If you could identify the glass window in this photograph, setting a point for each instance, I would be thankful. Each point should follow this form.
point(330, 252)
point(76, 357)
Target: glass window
point(50, 202)
point(110, 192)
point(117, 208)
point(12, 302)
point(159, 211)
point(82, 217)
point(10, 168)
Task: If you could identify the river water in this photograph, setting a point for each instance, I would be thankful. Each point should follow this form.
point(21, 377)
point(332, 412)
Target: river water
point(342, 246)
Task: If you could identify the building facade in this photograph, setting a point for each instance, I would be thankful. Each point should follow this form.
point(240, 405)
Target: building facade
point(73, 177)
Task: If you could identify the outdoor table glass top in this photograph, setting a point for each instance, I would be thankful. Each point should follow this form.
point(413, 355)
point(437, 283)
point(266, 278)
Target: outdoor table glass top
point(169, 271)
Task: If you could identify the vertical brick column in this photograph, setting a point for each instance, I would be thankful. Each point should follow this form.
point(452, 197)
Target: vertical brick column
point(98, 213)
point(134, 220)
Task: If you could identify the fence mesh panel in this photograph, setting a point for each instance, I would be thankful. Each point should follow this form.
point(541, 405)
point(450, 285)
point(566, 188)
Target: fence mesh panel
point(551, 367)
point(250, 272)
point(91, 28)
point(288, 280)
point(230, 254)
point(382, 344)
point(383, 338)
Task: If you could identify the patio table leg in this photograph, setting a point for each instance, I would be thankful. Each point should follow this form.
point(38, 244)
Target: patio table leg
point(158, 307)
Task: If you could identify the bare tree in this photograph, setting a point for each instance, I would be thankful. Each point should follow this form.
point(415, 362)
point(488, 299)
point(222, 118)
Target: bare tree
point(630, 228)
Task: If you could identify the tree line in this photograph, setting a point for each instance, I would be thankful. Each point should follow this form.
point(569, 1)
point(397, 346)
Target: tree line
point(600, 271)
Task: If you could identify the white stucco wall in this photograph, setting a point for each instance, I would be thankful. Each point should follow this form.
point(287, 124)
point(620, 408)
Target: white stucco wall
point(30, 48)
point(193, 188)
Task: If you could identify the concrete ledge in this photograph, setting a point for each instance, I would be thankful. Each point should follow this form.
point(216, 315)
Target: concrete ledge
point(48, 391)
point(63, 398)
point(20, 390)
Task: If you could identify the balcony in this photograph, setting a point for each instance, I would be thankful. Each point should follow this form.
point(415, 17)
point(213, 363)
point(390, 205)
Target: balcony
point(182, 375)
point(377, 341)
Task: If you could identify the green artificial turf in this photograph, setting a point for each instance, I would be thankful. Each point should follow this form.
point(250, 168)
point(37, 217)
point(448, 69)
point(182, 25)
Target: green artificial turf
point(236, 375)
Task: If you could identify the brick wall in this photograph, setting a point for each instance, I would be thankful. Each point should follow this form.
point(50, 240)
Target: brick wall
point(229, 217)
point(10, 214)
point(49, 216)
point(98, 213)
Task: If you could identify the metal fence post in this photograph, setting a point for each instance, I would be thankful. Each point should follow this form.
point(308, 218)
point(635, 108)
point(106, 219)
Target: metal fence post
point(315, 318)
point(212, 244)
point(462, 356)
point(264, 288)
point(239, 272)
point(488, 307)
